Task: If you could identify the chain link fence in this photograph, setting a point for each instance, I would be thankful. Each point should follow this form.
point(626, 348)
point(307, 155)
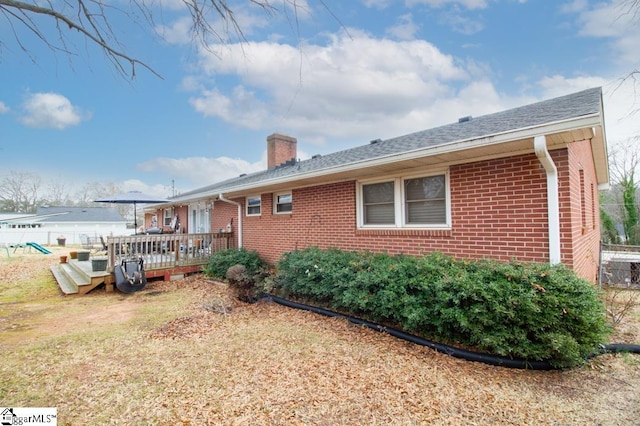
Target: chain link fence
point(620, 266)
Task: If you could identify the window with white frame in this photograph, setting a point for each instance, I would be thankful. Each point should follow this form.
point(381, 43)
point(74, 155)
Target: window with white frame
point(378, 203)
point(425, 201)
point(254, 205)
point(282, 203)
point(411, 202)
point(167, 217)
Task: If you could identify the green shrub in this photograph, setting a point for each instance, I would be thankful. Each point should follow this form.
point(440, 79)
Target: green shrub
point(307, 273)
point(245, 271)
point(220, 262)
point(523, 310)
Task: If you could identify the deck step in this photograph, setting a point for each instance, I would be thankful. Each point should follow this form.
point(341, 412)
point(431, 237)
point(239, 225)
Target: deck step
point(74, 274)
point(66, 284)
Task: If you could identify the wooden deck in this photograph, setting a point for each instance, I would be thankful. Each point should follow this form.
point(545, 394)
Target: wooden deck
point(168, 256)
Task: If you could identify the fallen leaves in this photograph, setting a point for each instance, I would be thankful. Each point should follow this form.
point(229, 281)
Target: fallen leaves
point(187, 352)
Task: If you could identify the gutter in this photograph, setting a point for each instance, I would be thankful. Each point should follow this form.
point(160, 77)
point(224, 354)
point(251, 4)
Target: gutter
point(226, 200)
point(553, 203)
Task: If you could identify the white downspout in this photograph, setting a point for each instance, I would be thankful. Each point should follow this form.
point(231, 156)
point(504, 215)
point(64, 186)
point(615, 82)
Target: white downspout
point(221, 198)
point(553, 203)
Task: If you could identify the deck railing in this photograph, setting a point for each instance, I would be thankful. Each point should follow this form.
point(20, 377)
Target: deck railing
point(164, 251)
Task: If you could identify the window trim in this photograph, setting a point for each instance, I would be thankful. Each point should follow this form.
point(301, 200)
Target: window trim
point(246, 210)
point(400, 204)
point(360, 204)
point(275, 202)
point(167, 217)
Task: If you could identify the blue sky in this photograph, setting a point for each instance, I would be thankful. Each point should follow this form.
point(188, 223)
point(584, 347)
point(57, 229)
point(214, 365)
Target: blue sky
point(336, 78)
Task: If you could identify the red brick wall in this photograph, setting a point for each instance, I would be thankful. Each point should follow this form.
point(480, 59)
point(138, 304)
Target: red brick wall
point(183, 218)
point(581, 240)
point(498, 209)
point(222, 214)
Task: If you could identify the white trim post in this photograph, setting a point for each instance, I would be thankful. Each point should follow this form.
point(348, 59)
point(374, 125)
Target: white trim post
point(553, 198)
point(226, 200)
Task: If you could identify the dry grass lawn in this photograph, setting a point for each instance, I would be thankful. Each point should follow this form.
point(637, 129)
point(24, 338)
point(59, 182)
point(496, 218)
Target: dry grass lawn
point(184, 352)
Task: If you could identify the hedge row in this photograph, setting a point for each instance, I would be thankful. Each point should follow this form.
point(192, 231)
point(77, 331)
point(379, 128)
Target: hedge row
point(523, 310)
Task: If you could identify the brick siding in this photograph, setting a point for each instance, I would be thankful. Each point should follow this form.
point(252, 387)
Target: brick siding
point(583, 233)
point(498, 211)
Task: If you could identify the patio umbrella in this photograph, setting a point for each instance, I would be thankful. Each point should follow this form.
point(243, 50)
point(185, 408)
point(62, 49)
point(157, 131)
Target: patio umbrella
point(132, 197)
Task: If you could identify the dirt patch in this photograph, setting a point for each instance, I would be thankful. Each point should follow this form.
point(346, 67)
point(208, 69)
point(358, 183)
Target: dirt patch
point(60, 319)
point(92, 316)
point(46, 312)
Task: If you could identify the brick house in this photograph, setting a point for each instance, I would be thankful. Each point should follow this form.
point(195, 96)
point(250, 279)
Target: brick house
point(519, 184)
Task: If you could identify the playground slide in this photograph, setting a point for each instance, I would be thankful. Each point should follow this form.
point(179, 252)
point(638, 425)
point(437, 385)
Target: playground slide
point(39, 248)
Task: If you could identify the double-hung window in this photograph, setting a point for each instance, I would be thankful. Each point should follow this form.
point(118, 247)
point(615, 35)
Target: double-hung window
point(425, 201)
point(378, 203)
point(405, 202)
point(167, 217)
point(254, 205)
point(282, 203)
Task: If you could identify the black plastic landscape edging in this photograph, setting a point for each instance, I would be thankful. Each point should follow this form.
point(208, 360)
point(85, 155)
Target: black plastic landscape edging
point(485, 358)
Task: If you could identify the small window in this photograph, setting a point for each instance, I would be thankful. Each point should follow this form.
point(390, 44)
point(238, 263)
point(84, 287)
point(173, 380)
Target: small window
point(425, 200)
point(378, 203)
point(254, 205)
point(283, 203)
point(167, 217)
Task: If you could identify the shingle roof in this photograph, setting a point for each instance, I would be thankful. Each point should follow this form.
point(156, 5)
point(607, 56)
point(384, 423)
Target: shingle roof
point(584, 103)
point(80, 214)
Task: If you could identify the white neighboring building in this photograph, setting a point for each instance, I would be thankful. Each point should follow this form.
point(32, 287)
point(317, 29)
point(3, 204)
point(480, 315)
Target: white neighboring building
point(49, 223)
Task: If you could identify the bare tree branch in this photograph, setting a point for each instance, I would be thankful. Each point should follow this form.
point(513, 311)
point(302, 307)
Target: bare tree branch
point(211, 21)
point(624, 159)
point(631, 8)
point(90, 29)
point(19, 192)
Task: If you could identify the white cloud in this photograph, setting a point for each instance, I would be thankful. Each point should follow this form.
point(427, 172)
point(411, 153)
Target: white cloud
point(356, 88)
point(157, 190)
point(613, 20)
point(405, 29)
point(247, 18)
point(469, 4)
point(622, 110)
point(177, 32)
point(51, 110)
point(3, 108)
point(202, 170)
point(353, 87)
point(619, 98)
point(576, 6)
point(559, 85)
point(452, 13)
point(376, 4)
point(461, 24)
point(194, 172)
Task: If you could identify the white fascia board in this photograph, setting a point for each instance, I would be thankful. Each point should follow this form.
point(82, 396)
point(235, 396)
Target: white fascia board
point(592, 120)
